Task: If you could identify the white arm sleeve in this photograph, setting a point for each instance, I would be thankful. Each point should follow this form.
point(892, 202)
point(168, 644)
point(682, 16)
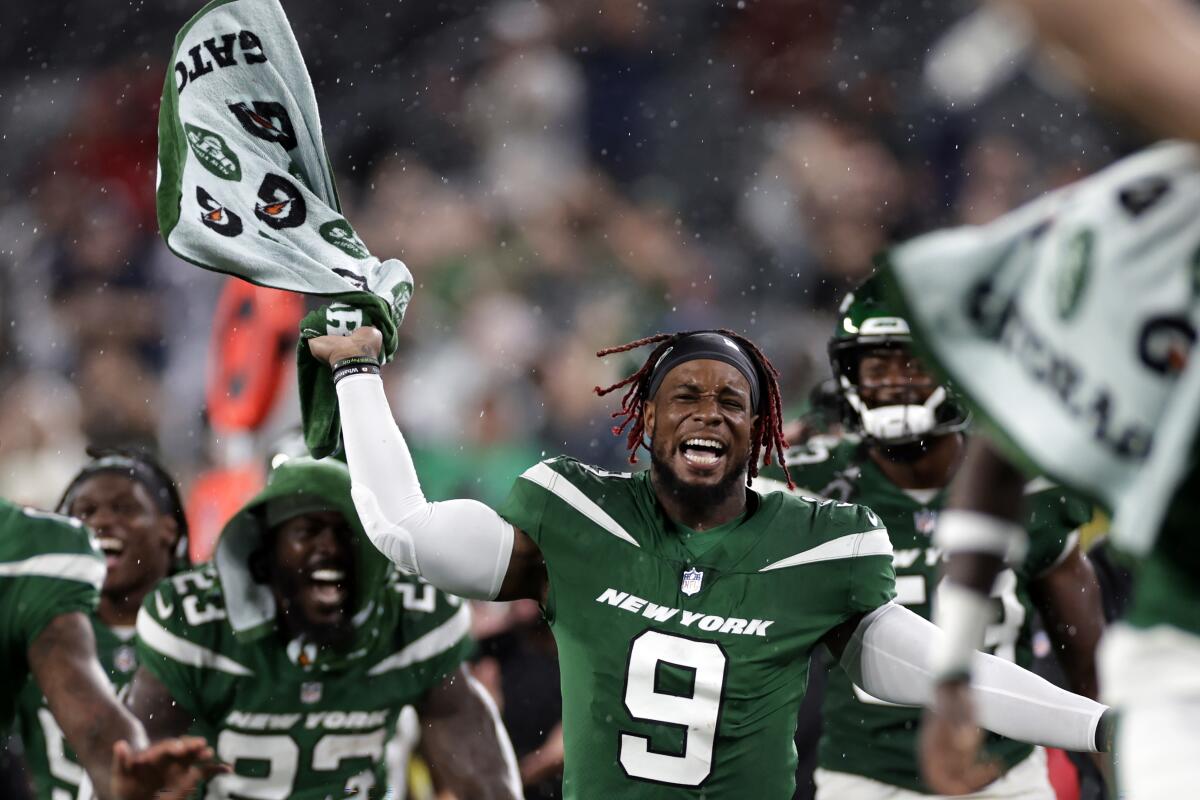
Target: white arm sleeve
point(889, 657)
point(460, 546)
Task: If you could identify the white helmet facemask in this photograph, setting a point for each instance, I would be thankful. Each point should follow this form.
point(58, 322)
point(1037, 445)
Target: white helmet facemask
point(897, 422)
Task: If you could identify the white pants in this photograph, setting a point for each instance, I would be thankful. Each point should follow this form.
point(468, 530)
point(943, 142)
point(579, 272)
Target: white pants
point(1028, 780)
point(1152, 677)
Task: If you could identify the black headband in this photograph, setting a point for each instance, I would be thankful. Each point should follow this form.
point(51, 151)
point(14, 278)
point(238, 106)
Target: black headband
point(707, 345)
point(166, 499)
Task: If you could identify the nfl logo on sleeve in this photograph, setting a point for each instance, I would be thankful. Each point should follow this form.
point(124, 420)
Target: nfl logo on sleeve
point(691, 581)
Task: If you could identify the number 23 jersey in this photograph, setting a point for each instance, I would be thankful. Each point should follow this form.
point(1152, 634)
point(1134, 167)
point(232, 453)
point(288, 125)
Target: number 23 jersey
point(684, 655)
point(289, 731)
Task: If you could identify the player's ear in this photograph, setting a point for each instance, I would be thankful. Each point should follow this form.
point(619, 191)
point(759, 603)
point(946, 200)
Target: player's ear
point(168, 532)
point(648, 416)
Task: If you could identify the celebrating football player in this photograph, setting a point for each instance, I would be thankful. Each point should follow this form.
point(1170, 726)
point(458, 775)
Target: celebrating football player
point(133, 506)
point(295, 651)
point(50, 576)
point(906, 443)
point(1116, 330)
point(684, 604)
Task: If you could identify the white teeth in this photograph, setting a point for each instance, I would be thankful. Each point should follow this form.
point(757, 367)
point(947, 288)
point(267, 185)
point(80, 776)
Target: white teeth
point(704, 443)
point(329, 575)
point(110, 545)
point(698, 457)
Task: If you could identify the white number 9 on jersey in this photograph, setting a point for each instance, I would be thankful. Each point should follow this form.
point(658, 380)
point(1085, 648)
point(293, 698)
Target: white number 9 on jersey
point(697, 714)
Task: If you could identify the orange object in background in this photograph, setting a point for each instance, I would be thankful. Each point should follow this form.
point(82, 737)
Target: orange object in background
point(254, 339)
point(215, 497)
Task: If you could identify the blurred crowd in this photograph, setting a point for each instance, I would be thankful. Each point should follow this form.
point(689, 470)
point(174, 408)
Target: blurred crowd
point(559, 176)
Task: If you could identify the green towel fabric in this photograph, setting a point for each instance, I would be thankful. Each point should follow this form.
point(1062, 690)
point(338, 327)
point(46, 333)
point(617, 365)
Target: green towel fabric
point(318, 399)
point(245, 186)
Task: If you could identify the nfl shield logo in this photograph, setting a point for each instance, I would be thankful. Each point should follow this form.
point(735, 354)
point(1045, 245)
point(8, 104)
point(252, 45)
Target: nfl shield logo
point(310, 693)
point(691, 581)
point(925, 521)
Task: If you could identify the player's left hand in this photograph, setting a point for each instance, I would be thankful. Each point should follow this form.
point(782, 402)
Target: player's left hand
point(167, 770)
point(951, 742)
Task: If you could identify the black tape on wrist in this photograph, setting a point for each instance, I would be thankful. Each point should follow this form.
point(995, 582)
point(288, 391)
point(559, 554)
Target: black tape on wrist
point(355, 365)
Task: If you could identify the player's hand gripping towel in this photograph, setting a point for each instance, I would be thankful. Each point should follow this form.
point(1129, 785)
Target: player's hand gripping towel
point(318, 398)
point(244, 184)
point(1068, 324)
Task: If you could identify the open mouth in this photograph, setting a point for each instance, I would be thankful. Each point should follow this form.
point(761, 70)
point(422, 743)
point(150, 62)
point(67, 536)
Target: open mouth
point(702, 452)
point(327, 585)
point(112, 548)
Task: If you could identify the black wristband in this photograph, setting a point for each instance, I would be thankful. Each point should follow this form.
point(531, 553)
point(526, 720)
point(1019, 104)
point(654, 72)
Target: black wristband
point(355, 365)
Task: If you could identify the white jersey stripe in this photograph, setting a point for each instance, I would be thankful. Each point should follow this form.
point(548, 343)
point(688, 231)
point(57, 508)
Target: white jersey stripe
point(868, 543)
point(543, 476)
point(193, 655)
point(437, 641)
point(68, 566)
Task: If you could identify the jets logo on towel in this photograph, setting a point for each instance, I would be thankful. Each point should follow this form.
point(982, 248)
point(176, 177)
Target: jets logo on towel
point(217, 217)
point(266, 120)
point(212, 152)
point(339, 234)
point(280, 203)
point(1072, 279)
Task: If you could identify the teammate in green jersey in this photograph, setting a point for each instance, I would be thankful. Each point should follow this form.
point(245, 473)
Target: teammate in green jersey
point(50, 575)
point(1140, 56)
point(685, 605)
point(132, 505)
point(905, 442)
point(294, 652)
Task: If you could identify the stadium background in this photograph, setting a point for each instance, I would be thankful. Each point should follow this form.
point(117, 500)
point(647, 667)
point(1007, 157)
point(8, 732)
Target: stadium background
point(558, 177)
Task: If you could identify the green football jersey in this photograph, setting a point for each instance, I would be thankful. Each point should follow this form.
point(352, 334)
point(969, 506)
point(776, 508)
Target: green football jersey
point(870, 737)
point(288, 730)
point(52, 764)
point(684, 655)
point(49, 565)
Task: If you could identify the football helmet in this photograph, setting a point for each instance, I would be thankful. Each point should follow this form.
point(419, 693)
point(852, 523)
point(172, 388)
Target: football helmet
point(869, 322)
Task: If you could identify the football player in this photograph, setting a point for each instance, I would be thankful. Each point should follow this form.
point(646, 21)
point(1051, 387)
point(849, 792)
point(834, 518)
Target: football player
point(50, 577)
point(684, 604)
point(1141, 56)
point(132, 505)
point(294, 652)
point(905, 445)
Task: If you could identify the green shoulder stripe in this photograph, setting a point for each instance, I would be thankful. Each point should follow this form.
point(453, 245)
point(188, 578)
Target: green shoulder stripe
point(561, 486)
point(445, 637)
point(867, 543)
point(87, 569)
point(155, 637)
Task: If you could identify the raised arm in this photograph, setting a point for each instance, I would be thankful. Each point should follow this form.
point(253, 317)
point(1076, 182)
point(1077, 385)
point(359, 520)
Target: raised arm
point(110, 743)
point(1142, 56)
point(460, 546)
point(465, 743)
point(1068, 598)
point(978, 535)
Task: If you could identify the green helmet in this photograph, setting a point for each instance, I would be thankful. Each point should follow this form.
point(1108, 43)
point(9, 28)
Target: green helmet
point(868, 320)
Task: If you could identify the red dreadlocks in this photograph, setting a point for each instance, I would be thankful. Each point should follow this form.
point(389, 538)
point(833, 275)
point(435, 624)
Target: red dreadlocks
point(768, 432)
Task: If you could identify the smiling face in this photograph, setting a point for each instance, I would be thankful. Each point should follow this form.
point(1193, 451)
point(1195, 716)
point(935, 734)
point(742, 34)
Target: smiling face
point(137, 539)
point(892, 376)
point(313, 575)
point(701, 423)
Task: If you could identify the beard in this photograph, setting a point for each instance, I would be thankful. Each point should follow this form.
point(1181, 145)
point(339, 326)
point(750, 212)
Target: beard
point(695, 496)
